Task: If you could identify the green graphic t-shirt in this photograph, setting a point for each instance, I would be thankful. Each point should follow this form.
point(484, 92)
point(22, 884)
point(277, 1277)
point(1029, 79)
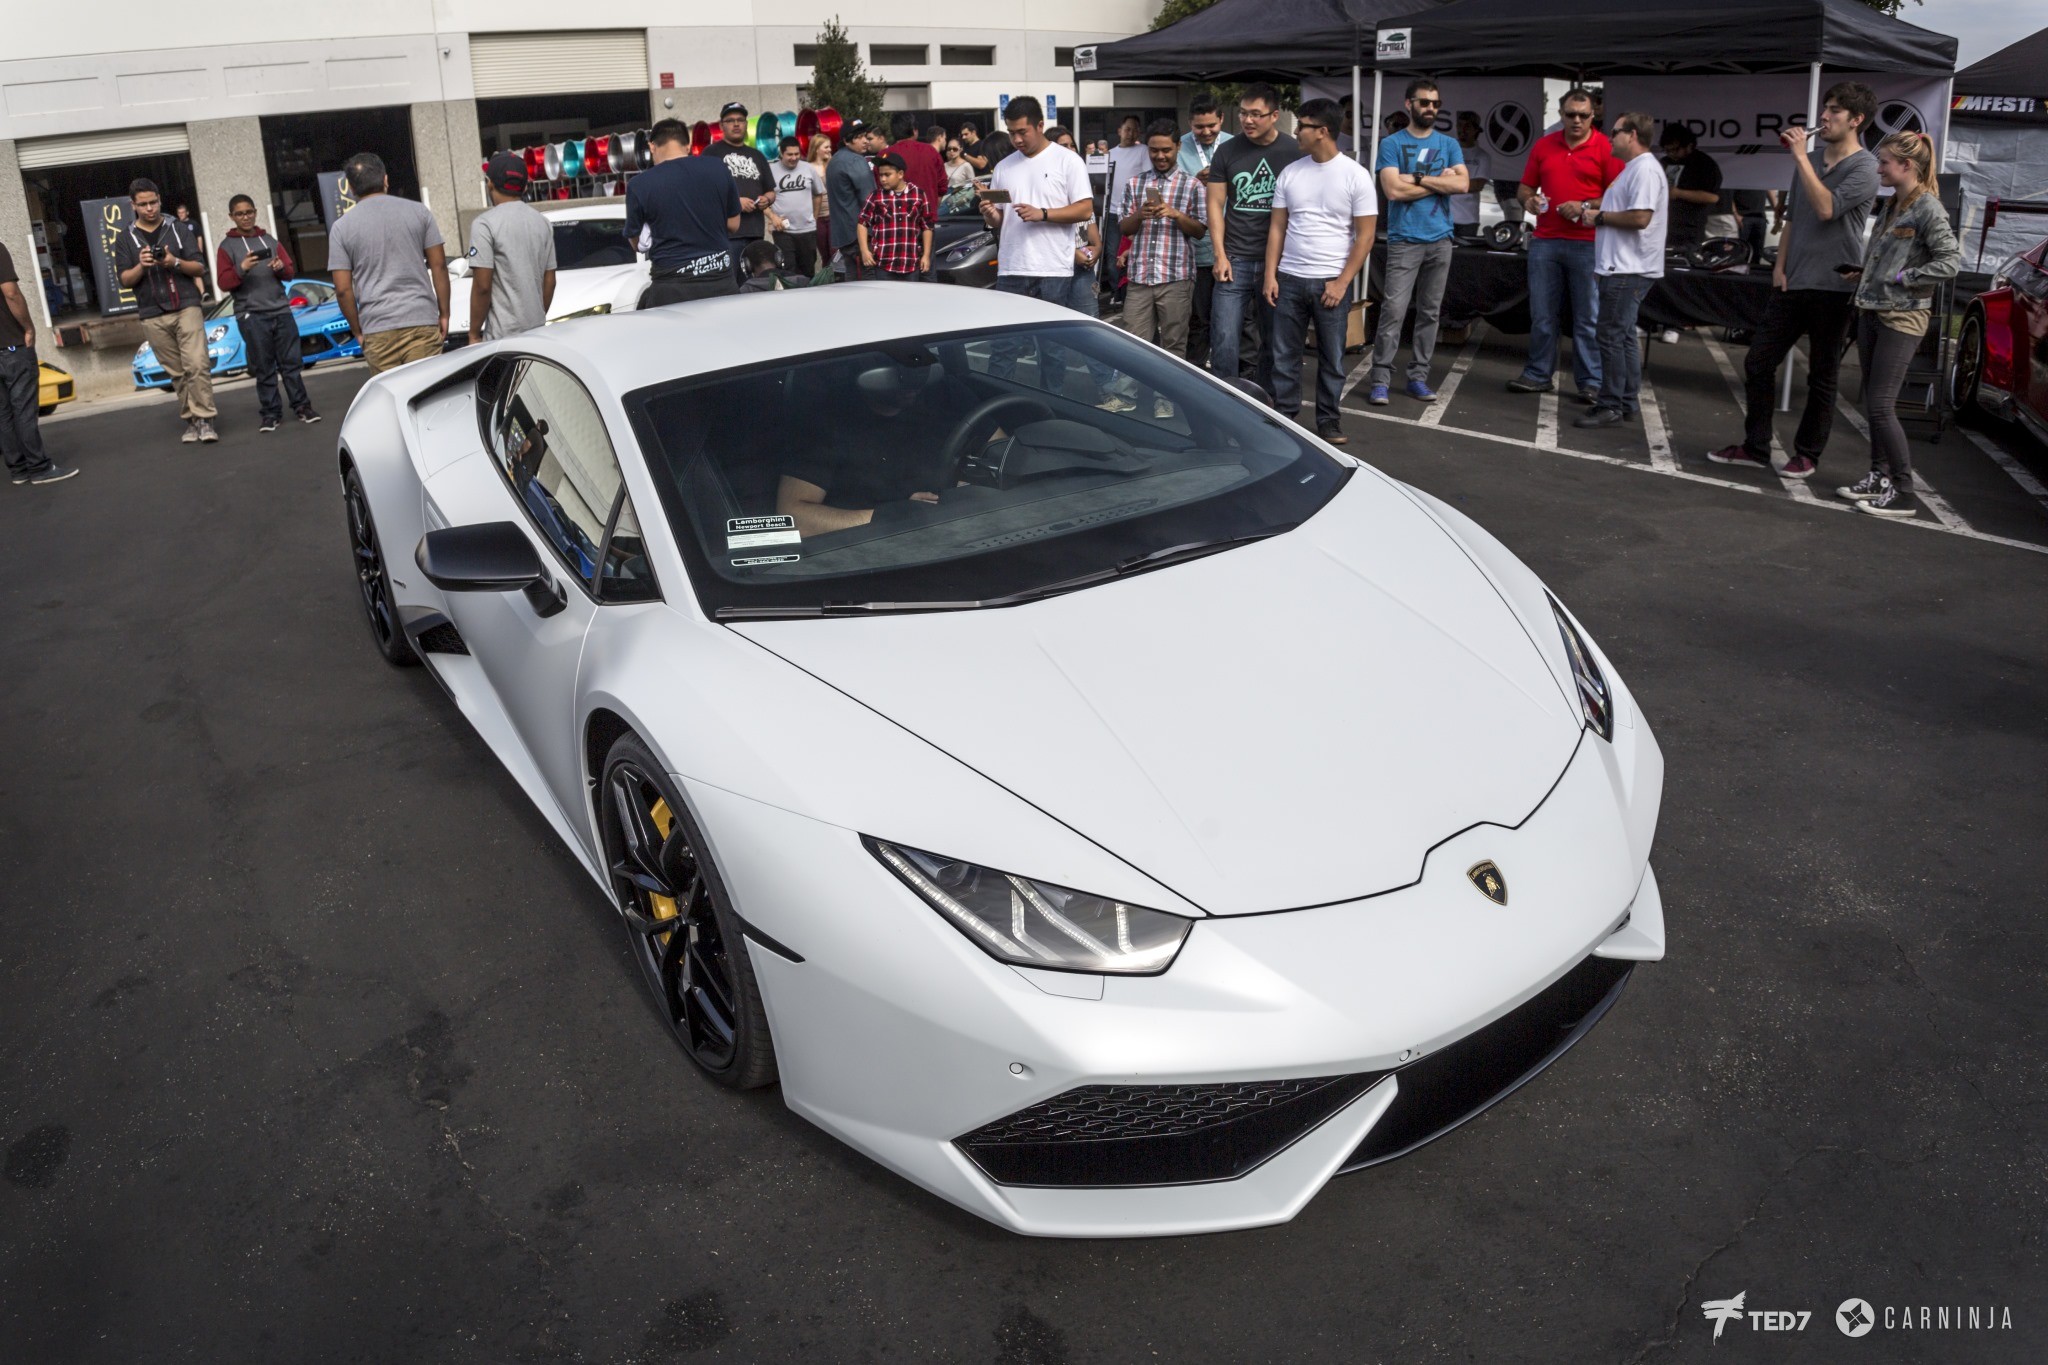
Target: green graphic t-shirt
point(1248, 173)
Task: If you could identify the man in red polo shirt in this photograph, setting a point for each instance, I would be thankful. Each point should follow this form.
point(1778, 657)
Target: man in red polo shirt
point(1571, 165)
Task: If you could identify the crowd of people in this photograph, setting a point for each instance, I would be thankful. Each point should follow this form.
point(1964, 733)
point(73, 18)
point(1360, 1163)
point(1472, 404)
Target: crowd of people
point(1227, 249)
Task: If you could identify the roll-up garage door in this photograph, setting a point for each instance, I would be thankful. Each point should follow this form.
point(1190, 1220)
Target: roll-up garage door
point(551, 63)
point(82, 149)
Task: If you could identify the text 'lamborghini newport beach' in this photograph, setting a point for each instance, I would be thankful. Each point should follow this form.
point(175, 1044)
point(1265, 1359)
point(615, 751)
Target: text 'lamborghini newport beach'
point(1084, 792)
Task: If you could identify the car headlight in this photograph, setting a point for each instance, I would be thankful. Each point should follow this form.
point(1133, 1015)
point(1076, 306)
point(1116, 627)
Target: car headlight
point(1036, 924)
point(216, 335)
point(966, 247)
point(1594, 698)
point(583, 313)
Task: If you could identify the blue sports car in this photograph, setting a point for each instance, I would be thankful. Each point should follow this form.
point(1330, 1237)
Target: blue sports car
point(323, 335)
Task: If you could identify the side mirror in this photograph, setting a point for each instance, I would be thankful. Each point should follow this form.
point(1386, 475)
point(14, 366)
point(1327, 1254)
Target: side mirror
point(493, 557)
point(1250, 390)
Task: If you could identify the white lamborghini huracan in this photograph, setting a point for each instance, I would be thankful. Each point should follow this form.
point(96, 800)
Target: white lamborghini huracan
point(1086, 793)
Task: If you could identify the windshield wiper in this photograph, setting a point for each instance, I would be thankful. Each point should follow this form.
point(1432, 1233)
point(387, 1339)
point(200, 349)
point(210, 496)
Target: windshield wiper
point(1136, 564)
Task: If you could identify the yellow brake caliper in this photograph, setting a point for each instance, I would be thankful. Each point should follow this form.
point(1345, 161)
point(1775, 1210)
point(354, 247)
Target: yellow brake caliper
point(664, 906)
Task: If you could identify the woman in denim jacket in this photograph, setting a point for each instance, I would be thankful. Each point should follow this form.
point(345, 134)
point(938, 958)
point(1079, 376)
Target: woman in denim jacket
point(1911, 250)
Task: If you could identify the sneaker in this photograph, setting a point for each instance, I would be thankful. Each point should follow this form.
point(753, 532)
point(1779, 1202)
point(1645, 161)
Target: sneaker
point(1669, 336)
point(56, 473)
point(206, 431)
point(1332, 433)
point(269, 424)
point(308, 416)
point(1377, 395)
point(1892, 500)
point(18, 476)
point(1420, 391)
point(1601, 417)
point(1521, 385)
point(191, 431)
point(1798, 467)
point(1739, 454)
point(1116, 402)
point(1864, 489)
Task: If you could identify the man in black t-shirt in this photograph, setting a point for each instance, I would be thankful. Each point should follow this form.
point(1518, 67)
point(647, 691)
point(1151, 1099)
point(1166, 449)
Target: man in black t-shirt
point(885, 452)
point(21, 440)
point(751, 175)
point(1695, 185)
point(161, 261)
point(1241, 179)
point(690, 209)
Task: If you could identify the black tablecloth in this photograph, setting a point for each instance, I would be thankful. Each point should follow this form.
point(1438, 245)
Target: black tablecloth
point(1495, 285)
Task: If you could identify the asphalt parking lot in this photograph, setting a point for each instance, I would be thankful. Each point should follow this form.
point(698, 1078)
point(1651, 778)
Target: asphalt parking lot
point(316, 1045)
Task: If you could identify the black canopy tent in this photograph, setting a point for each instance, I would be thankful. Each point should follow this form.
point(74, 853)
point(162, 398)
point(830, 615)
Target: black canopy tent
point(1998, 142)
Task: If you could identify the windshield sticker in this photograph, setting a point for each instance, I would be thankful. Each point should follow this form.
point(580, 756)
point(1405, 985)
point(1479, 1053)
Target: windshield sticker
point(766, 559)
point(746, 533)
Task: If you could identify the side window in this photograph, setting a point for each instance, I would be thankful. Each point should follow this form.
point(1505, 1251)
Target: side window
point(551, 443)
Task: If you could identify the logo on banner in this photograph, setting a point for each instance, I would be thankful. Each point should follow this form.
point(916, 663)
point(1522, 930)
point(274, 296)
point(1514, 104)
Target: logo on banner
point(1893, 116)
point(1393, 44)
point(1084, 59)
point(1510, 128)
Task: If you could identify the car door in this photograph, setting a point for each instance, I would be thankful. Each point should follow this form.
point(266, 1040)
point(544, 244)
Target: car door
point(550, 467)
point(2030, 331)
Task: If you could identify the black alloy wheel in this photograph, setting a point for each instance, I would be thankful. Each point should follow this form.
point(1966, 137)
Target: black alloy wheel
point(681, 928)
point(1968, 371)
point(379, 607)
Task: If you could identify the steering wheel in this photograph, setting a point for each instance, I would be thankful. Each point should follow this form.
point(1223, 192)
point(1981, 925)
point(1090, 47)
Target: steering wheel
point(960, 442)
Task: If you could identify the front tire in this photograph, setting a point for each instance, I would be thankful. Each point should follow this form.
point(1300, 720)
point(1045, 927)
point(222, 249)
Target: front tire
point(661, 874)
point(372, 582)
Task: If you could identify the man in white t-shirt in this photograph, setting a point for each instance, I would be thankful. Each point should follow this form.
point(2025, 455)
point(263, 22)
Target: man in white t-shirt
point(1478, 170)
point(1325, 212)
point(1629, 226)
point(1048, 194)
point(1127, 159)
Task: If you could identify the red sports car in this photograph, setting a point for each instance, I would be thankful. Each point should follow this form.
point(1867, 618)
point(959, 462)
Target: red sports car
point(2002, 352)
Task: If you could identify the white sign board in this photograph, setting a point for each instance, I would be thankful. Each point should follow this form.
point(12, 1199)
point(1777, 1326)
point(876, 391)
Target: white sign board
point(1084, 59)
point(1392, 45)
point(1738, 118)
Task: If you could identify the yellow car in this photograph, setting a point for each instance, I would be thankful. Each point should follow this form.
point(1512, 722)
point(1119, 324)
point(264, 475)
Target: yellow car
point(53, 387)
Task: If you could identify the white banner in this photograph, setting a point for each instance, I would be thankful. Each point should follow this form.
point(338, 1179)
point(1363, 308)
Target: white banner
point(1507, 109)
point(1738, 118)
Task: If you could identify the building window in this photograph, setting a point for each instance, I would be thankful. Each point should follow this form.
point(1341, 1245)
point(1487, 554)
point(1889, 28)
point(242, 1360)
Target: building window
point(1063, 56)
point(899, 54)
point(806, 54)
point(950, 55)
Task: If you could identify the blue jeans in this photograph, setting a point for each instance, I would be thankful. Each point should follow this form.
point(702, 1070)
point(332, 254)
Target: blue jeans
point(1301, 304)
point(1556, 265)
point(1621, 357)
point(1237, 303)
point(272, 342)
point(1075, 291)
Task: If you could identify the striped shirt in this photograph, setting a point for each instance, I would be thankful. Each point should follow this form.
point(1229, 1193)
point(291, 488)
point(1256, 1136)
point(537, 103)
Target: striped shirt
point(1160, 252)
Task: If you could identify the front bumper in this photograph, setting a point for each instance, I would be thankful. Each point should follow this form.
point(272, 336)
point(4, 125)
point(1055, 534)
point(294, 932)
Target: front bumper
point(1428, 1004)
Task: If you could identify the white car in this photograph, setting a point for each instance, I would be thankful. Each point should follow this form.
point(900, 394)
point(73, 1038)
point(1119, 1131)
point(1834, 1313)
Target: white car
point(1117, 819)
point(595, 266)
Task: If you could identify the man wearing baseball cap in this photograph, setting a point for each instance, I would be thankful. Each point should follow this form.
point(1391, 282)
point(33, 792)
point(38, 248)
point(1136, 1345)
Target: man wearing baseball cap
point(511, 257)
point(751, 177)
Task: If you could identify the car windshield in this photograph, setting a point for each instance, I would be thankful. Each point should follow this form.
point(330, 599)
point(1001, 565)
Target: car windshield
point(964, 470)
point(588, 243)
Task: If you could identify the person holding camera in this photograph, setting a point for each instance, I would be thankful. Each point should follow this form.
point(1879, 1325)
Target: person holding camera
point(253, 267)
point(159, 260)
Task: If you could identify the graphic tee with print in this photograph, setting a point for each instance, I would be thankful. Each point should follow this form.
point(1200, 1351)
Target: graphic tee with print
point(794, 188)
point(752, 179)
point(1419, 220)
point(1053, 179)
point(1248, 173)
point(1321, 199)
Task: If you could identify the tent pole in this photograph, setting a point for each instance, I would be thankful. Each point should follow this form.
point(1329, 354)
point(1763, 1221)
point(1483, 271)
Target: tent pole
point(1812, 122)
point(1358, 147)
point(1377, 81)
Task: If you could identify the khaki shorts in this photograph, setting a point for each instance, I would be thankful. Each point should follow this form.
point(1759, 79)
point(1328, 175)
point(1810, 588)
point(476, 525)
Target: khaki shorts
point(400, 346)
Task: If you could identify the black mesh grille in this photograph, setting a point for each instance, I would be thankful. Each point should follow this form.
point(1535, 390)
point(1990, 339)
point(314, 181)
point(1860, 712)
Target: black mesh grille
point(441, 639)
point(1156, 1134)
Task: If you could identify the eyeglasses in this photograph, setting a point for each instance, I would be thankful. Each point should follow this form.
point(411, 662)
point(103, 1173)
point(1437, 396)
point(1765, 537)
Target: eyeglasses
point(1578, 113)
point(1427, 104)
point(242, 213)
point(1244, 112)
point(1305, 126)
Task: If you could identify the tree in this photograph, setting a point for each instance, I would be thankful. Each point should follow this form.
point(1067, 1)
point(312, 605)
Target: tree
point(1891, 7)
point(839, 81)
point(1173, 11)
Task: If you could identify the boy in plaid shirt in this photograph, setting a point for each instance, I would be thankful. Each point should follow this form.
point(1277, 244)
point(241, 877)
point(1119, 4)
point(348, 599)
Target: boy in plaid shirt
point(895, 226)
point(1161, 211)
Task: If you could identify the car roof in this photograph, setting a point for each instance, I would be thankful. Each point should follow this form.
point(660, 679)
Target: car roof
point(628, 351)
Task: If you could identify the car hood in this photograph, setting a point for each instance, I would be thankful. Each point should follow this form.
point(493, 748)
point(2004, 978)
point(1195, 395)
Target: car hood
point(1292, 723)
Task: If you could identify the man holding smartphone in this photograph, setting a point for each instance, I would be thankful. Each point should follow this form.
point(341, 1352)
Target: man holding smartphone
point(252, 267)
point(159, 260)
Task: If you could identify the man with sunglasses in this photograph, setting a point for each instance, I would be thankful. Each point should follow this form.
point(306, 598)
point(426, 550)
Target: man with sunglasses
point(1570, 166)
point(1242, 175)
point(1420, 169)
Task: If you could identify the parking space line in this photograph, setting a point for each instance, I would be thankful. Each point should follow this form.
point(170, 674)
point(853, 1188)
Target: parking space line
point(1796, 487)
point(1546, 420)
point(2021, 475)
point(1655, 430)
point(1968, 532)
point(1459, 368)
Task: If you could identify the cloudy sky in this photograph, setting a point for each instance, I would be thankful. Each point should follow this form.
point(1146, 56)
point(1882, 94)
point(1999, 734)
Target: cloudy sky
point(1981, 26)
